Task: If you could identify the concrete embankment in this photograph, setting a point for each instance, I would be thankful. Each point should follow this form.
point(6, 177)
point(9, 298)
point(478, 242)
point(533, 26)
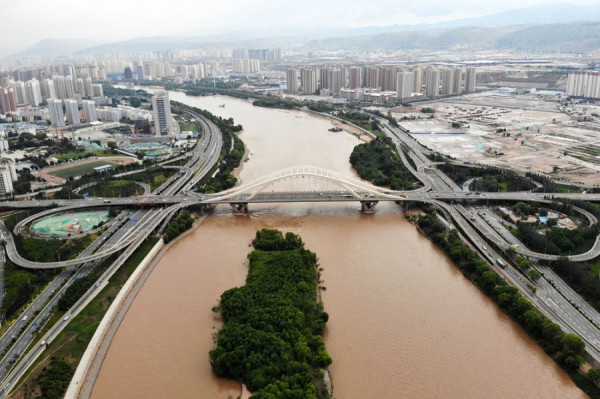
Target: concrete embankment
point(88, 369)
point(102, 334)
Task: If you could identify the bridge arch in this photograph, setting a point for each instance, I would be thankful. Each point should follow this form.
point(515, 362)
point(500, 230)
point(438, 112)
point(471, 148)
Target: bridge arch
point(355, 187)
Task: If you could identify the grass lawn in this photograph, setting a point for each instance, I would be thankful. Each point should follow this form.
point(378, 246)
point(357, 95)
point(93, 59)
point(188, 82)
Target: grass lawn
point(154, 177)
point(567, 189)
point(192, 127)
point(73, 340)
point(79, 170)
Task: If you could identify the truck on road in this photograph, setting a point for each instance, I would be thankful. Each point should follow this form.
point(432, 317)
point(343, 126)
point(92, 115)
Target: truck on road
point(500, 263)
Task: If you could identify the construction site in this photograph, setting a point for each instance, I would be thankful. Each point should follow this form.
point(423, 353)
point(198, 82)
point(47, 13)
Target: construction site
point(525, 132)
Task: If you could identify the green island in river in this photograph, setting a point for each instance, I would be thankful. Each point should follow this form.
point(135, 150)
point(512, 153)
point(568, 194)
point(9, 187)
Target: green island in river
point(272, 337)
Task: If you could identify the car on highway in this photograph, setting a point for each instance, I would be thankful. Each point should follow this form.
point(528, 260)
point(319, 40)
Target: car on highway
point(67, 317)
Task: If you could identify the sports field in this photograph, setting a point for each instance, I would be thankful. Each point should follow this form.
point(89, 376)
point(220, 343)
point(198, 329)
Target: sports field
point(78, 170)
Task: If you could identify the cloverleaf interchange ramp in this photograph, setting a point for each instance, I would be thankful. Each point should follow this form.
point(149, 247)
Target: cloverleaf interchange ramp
point(174, 195)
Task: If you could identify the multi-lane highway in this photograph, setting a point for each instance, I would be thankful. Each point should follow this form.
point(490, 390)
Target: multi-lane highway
point(562, 305)
point(126, 234)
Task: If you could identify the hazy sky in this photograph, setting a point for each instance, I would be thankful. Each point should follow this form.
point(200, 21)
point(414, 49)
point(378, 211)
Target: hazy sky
point(25, 22)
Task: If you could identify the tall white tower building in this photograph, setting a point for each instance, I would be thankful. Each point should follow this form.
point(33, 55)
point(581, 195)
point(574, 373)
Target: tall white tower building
point(292, 81)
point(308, 80)
point(8, 175)
point(34, 94)
point(57, 116)
point(470, 78)
point(404, 84)
point(161, 112)
point(47, 88)
point(356, 77)
point(72, 112)
point(87, 86)
point(89, 109)
point(433, 82)
point(417, 79)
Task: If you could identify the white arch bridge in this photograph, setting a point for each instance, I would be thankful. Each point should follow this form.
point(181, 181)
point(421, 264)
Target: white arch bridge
point(337, 188)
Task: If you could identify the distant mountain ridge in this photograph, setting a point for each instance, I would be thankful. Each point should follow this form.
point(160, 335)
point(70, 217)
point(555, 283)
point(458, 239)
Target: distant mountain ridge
point(578, 37)
point(537, 28)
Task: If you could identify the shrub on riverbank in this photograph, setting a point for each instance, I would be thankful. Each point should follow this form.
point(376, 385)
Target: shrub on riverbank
point(178, 225)
point(273, 326)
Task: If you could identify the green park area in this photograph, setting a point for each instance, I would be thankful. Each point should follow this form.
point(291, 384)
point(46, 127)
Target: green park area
point(79, 170)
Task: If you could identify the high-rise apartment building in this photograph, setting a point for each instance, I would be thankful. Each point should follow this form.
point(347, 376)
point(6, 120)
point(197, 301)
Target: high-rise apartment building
point(161, 112)
point(447, 78)
point(8, 175)
point(470, 78)
point(57, 116)
point(20, 91)
point(417, 79)
point(72, 112)
point(97, 90)
point(60, 87)
point(79, 87)
point(87, 87)
point(139, 71)
point(292, 81)
point(89, 109)
point(47, 89)
point(433, 82)
point(69, 87)
point(34, 94)
point(457, 81)
point(388, 76)
point(246, 65)
point(356, 77)
point(372, 78)
point(333, 79)
point(583, 84)
point(308, 80)
point(8, 100)
point(404, 84)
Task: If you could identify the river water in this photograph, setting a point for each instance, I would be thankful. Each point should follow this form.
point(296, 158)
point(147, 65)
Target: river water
point(404, 323)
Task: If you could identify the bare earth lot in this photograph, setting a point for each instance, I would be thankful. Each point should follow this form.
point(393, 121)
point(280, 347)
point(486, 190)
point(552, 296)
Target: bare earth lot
point(538, 137)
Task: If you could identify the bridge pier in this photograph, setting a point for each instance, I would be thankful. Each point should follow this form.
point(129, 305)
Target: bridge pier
point(239, 208)
point(368, 206)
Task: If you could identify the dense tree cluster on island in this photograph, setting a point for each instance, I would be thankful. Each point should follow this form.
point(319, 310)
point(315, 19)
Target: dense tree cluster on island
point(272, 338)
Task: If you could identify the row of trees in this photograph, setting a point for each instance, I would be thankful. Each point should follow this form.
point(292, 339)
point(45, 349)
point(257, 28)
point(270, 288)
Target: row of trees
point(19, 287)
point(178, 225)
point(566, 349)
point(75, 291)
point(230, 158)
point(275, 103)
point(379, 163)
point(273, 326)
